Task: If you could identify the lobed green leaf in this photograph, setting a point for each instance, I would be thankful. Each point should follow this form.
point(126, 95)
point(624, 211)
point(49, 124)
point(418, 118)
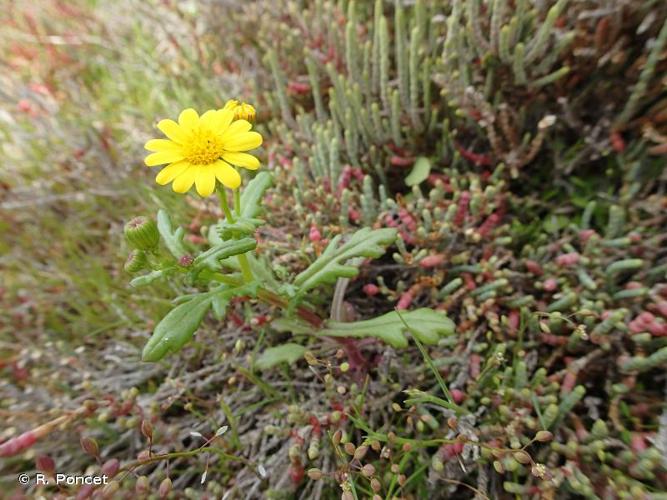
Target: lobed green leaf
point(181, 323)
point(223, 250)
point(427, 325)
point(333, 263)
point(173, 239)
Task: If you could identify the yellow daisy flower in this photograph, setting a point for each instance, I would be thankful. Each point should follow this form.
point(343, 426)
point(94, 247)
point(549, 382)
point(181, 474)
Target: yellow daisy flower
point(202, 149)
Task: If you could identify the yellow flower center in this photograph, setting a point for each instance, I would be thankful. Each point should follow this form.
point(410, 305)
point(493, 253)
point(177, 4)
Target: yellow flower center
point(203, 148)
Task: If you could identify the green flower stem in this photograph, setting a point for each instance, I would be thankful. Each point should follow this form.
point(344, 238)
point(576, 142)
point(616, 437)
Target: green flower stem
point(237, 201)
point(242, 258)
point(225, 205)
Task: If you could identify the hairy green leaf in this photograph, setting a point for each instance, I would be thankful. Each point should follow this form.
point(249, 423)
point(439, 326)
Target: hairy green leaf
point(173, 239)
point(286, 353)
point(425, 324)
point(333, 263)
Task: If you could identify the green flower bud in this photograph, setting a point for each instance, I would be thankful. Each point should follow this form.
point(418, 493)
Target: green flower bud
point(136, 261)
point(142, 233)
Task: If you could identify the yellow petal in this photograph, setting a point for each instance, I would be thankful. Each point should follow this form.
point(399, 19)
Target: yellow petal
point(205, 181)
point(236, 128)
point(217, 121)
point(170, 172)
point(231, 104)
point(241, 160)
point(208, 117)
point(224, 119)
point(243, 142)
point(184, 181)
point(172, 130)
point(226, 174)
point(188, 118)
point(162, 145)
point(163, 157)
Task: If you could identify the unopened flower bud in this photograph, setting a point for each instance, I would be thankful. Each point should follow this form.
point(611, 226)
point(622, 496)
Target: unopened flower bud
point(136, 261)
point(242, 110)
point(186, 260)
point(142, 233)
point(349, 448)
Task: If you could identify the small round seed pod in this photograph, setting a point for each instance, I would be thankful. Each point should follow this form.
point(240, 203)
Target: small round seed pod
point(142, 486)
point(315, 474)
point(165, 488)
point(90, 446)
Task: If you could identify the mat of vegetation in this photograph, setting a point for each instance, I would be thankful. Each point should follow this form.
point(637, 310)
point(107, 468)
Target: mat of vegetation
point(515, 150)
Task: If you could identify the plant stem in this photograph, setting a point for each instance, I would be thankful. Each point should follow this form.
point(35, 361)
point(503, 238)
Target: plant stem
point(242, 258)
point(245, 268)
point(237, 202)
point(225, 206)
